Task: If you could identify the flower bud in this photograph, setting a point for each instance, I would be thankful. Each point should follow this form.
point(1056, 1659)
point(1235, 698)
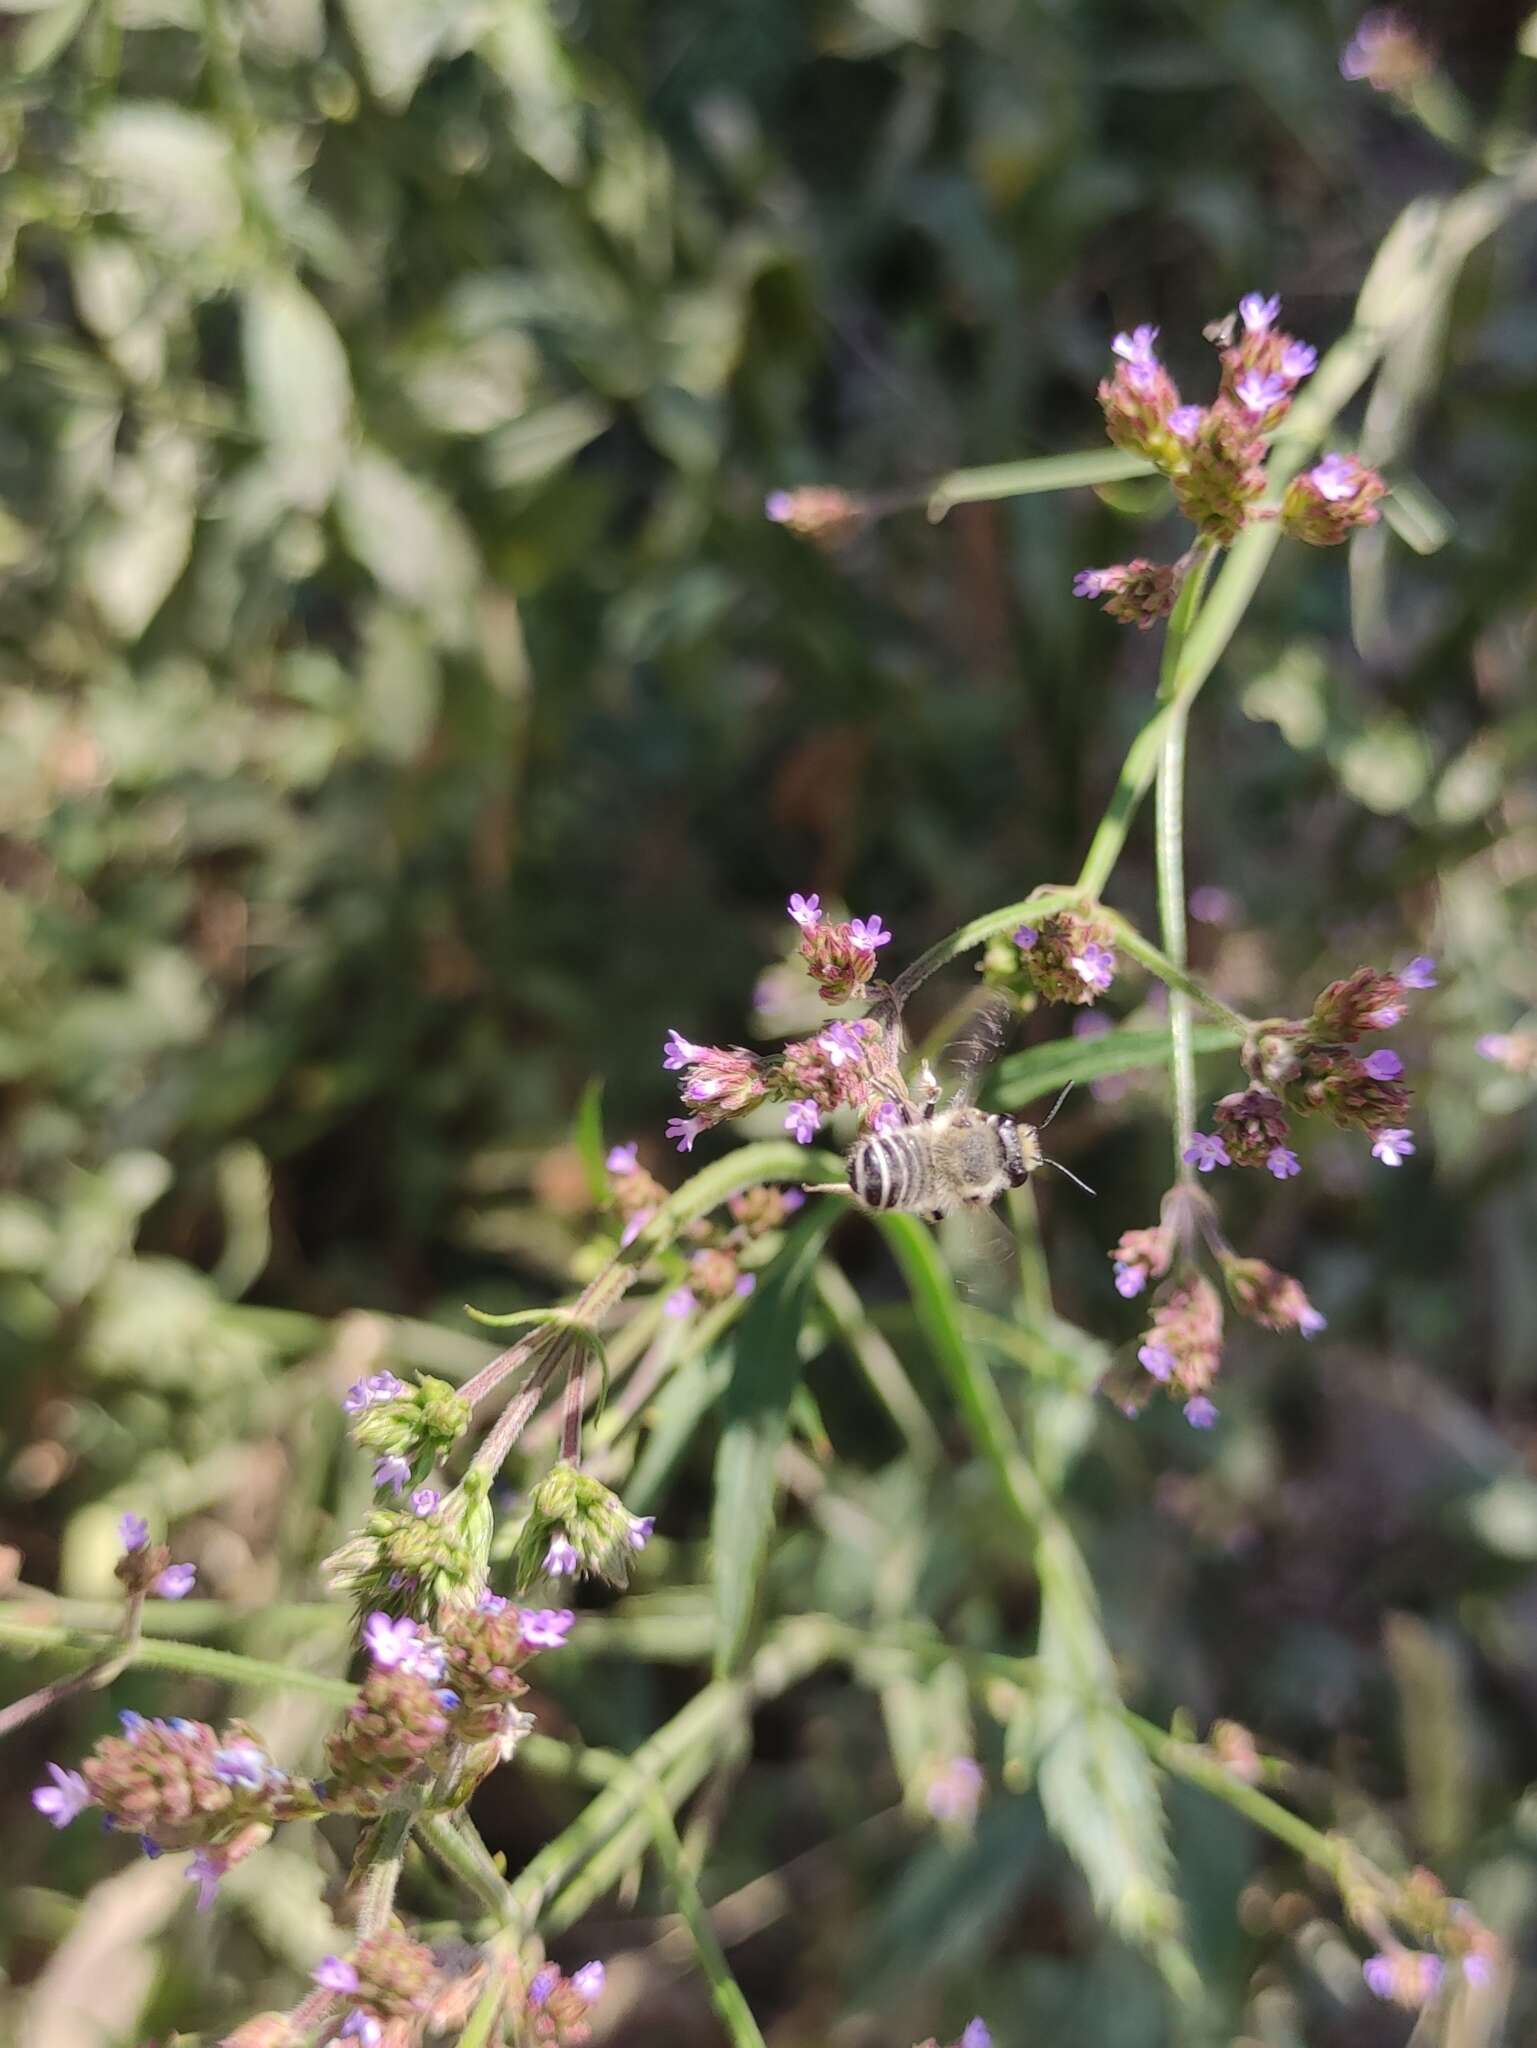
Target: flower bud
point(1252, 1125)
point(396, 1975)
point(594, 1522)
point(1066, 958)
point(1138, 592)
point(1138, 399)
point(397, 1726)
point(1274, 1300)
point(179, 1783)
point(817, 512)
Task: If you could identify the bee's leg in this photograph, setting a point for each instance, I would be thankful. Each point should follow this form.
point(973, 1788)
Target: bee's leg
point(927, 1090)
point(826, 1187)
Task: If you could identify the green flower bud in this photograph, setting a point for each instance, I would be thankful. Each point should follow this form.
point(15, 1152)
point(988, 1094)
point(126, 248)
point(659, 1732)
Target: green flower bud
point(421, 1425)
point(575, 1524)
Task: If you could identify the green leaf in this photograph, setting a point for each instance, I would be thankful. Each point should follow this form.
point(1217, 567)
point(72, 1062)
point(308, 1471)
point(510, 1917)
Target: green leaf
point(588, 1133)
point(766, 1369)
point(1025, 1077)
point(299, 386)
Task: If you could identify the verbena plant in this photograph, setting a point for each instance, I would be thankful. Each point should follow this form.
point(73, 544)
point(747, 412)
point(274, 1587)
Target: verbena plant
point(448, 1581)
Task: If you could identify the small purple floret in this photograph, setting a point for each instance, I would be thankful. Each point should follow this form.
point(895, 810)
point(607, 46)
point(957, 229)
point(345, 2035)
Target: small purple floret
point(1129, 1280)
point(240, 1763)
point(561, 1560)
point(621, 1158)
point(683, 1130)
point(1205, 1151)
point(1156, 1359)
point(65, 1799)
point(803, 1120)
point(1383, 1064)
point(866, 934)
point(425, 1501)
point(1420, 972)
point(176, 1581)
point(680, 1303)
point(392, 1472)
point(545, 1628)
point(587, 1982)
point(1283, 1163)
point(806, 911)
point(1199, 1412)
point(975, 2035)
point(134, 1531)
point(1258, 314)
point(1393, 1147)
point(335, 1973)
point(1095, 967)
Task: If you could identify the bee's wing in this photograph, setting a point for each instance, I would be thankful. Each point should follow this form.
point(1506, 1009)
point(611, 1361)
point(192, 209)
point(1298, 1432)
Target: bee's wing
point(975, 1047)
point(983, 1256)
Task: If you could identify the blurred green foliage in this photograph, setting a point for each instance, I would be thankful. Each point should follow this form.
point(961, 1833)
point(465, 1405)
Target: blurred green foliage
point(406, 712)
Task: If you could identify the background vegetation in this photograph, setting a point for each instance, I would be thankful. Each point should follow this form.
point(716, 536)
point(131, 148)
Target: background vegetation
point(406, 713)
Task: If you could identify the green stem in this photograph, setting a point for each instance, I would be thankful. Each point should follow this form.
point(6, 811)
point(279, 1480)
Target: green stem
point(1170, 844)
point(381, 1874)
point(194, 1658)
point(1033, 475)
point(725, 1992)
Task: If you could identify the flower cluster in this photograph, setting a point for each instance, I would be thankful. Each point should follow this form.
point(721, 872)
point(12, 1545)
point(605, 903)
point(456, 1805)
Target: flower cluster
point(1180, 1350)
point(407, 1428)
point(431, 1551)
point(576, 1525)
point(1387, 52)
point(556, 2006)
point(146, 1567)
point(388, 1978)
point(818, 512)
point(841, 958)
point(715, 1270)
point(1310, 1064)
point(1066, 958)
point(1214, 455)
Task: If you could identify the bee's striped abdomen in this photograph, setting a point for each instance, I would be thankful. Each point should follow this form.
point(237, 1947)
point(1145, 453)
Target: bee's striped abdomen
point(884, 1172)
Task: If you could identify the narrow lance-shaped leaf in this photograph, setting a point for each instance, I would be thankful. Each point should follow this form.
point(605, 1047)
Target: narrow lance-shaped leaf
point(766, 1370)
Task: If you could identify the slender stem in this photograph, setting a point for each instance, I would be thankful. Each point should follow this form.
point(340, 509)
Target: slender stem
point(571, 1419)
point(1170, 841)
point(725, 1992)
point(381, 1875)
point(123, 1653)
point(514, 1418)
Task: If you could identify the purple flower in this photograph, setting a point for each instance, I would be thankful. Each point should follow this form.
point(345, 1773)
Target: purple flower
point(356, 1397)
point(683, 1130)
point(240, 1763)
point(1310, 1322)
point(1383, 1065)
point(975, 2035)
point(561, 1560)
point(1337, 478)
point(1211, 905)
point(1299, 359)
point(335, 1973)
point(134, 1531)
point(680, 1303)
point(1420, 973)
point(955, 1790)
point(362, 2026)
point(1095, 967)
point(887, 1117)
point(402, 1646)
point(587, 1982)
point(1259, 393)
point(392, 1472)
point(379, 1386)
point(1185, 422)
point(1283, 1164)
point(1393, 1147)
point(803, 1120)
point(1378, 1972)
point(1478, 1970)
point(205, 1870)
point(425, 1500)
point(865, 933)
point(1156, 1359)
point(778, 506)
point(1258, 315)
point(1203, 1153)
point(841, 1043)
point(681, 1052)
point(1089, 583)
point(1385, 1018)
point(635, 1226)
point(176, 1581)
point(1136, 347)
point(1199, 1412)
point(545, 1628)
point(744, 1285)
point(491, 1603)
point(807, 911)
point(1025, 936)
point(1129, 1280)
point(65, 1799)
point(1494, 1045)
point(641, 1527)
point(621, 1158)
point(541, 1984)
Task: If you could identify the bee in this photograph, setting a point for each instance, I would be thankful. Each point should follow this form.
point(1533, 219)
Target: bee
point(937, 1158)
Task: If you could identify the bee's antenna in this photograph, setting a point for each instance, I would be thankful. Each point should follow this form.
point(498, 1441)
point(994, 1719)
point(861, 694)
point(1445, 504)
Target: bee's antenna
point(1066, 1092)
point(1057, 1163)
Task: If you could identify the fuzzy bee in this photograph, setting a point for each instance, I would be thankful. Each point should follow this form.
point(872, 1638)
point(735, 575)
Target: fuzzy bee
point(943, 1157)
